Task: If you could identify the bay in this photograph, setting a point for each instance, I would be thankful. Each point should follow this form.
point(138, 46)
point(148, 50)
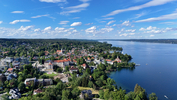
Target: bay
point(157, 71)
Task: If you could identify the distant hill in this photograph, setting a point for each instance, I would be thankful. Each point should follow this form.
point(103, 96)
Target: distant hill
point(171, 41)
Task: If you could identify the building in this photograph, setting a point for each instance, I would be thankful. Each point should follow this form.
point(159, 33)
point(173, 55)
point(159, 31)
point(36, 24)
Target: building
point(30, 81)
point(35, 81)
point(37, 91)
point(48, 65)
point(84, 66)
point(3, 65)
point(109, 61)
point(72, 69)
point(86, 92)
point(10, 70)
point(59, 52)
point(62, 63)
point(8, 59)
point(15, 94)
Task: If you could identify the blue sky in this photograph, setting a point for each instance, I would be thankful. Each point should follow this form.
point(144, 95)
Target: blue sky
point(89, 19)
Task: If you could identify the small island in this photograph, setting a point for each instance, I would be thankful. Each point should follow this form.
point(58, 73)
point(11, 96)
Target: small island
point(63, 69)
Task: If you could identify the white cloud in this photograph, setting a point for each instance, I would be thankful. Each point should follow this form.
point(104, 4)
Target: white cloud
point(39, 16)
point(148, 4)
point(17, 12)
point(114, 25)
point(91, 29)
point(52, 1)
point(22, 28)
point(110, 22)
point(76, 17)
point(74, 9)
point(148, 28)
point(126, 23)
point(16, 21)
point(59, 29)
point(107, 29)
point(89, 24)
point(1, 22)
point(163, 17)
point(140, 15)
point(108, 18)
point(168, 23)
point(142, 29)
point(151, 35)
point(37, 30)
point(131, 33)
point(131, 30)
point(123, 34)
point(84, 0)
point(76, 24)
point(63, 22)
point(48, 28)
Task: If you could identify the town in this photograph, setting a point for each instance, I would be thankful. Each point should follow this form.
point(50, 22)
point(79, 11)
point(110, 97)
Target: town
point(59, 69)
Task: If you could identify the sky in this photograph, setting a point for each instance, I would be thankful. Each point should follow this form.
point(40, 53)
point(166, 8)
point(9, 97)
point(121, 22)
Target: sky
point(88, 19)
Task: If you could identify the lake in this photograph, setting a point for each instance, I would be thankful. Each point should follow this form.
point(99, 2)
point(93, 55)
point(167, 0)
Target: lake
point(157, 71)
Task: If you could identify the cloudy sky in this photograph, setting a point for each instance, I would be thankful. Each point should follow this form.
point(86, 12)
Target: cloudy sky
point(88, 19)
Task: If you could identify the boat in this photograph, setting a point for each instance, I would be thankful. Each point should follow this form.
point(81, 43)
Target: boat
point(137, 65)
point(165, 96)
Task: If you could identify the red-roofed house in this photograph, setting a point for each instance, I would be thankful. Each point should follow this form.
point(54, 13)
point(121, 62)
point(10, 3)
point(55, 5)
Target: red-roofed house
point(72, 69)
point(118, 60)
point(109, 61)
point(62, 63)
point(10, 70)
point(59, 51)
point(84, 66)
point(37, 91)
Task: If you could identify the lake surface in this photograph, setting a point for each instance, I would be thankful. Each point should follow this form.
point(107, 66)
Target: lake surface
point(157, 71)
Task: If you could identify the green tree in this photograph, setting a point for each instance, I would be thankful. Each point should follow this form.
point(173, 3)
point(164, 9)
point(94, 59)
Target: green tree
point(21, 86)
point(101, 94)
point(153, 96)
point(90, 84)
point(88, 71)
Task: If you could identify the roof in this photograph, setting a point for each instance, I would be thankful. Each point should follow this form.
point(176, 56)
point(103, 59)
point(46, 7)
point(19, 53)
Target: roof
point(108, 60)
point(84, 65)
point(10, 69)
point(38, 90)
point(58, 51)
point(48, 61)
point(65, 60)
point(73, 69)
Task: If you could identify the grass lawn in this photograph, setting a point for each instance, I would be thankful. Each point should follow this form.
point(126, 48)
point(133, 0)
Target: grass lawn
point(87, 88)
point(51, 75)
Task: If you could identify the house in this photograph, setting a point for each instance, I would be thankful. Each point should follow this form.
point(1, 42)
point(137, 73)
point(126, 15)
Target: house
point(88, 60)
point(118, 60)
point(15, 94)
point(109, 61)
point(10, 70)
point(15, 63)
point(88, 92)
point(62, 63)
point(48, 65)
point(59, 52)
point(72, 69)
point(8, 59)
point(84, 66)
point(30, 81)
point(11, 76)
point(35, 81)
point(3, 65)
point(37, 91)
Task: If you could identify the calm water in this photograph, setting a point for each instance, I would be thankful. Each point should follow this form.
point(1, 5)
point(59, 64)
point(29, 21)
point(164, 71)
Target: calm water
point(157, 72)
